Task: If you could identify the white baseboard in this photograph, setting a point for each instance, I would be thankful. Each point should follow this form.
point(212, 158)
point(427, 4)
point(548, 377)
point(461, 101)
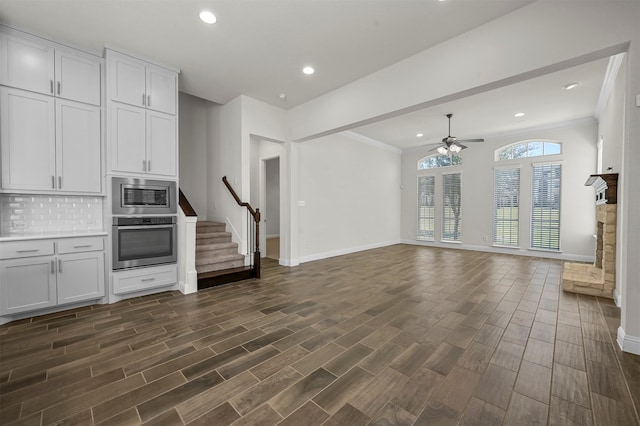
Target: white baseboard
point(334, 253)
point(628, 343)
point(503, 250)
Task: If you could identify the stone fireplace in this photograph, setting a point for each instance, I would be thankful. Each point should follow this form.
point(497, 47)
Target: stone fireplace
point(599, 278)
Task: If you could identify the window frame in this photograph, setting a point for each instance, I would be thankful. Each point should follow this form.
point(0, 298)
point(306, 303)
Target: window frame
point(419, 205)
point(517, 221)
point(443, 219)
point(527, 142)
point(532, 207)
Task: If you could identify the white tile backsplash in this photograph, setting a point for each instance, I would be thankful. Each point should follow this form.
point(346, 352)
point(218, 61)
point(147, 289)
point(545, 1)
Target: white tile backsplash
point(43, 214)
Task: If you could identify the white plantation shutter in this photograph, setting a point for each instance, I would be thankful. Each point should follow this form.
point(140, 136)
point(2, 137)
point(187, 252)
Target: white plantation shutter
point(506, 207)
point(452, 206)
point(426, 207)
point(546, 181)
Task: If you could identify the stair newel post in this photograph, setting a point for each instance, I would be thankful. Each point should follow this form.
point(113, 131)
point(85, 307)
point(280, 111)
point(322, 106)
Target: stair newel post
point(256, 259)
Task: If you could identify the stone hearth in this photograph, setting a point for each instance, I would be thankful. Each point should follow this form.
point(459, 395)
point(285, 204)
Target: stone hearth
point(599, 278)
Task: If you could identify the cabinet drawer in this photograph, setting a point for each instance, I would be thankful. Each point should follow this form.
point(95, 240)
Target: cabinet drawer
point(13, 250)
point(144, 278)
point(76, 245)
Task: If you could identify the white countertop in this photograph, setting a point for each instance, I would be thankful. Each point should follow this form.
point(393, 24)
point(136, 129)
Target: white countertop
point(50, 235)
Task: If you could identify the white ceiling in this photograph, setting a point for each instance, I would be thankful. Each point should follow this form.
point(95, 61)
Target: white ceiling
point(258, 48)
point(542, 99)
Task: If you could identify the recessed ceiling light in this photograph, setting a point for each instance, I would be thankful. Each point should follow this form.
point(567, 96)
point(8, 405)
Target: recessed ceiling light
point(308, 70)
point(282, 97)
point(208, 17)
point(419, 135)
point(570, 86)
point(518, 114)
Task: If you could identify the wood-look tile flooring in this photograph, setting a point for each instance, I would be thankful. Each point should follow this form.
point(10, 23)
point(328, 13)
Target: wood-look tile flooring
point(401, 335)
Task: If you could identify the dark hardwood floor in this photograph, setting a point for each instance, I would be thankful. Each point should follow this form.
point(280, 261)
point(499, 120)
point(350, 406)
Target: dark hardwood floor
point(401, 335)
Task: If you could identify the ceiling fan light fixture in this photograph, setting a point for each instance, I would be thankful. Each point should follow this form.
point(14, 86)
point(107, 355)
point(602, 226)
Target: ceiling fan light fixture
point(442, 150)
point(455, 148)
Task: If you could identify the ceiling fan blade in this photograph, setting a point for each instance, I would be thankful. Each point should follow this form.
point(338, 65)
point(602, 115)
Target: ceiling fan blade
point(434, 148)
point(461, 146)
point(470, 140)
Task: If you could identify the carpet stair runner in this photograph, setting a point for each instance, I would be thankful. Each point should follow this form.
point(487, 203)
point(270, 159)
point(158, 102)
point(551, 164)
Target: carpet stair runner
point(217, 257)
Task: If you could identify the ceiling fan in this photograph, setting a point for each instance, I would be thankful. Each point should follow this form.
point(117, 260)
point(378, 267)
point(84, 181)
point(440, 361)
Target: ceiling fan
point(451, 144)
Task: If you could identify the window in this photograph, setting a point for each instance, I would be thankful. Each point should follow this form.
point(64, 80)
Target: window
point(436, 160)
point(528, 149)
point(506, 210)
point(545, 206)
point(426, 207)
point(452, 204)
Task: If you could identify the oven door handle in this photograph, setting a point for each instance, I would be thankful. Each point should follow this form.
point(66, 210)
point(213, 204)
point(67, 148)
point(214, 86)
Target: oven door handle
point(143, 226)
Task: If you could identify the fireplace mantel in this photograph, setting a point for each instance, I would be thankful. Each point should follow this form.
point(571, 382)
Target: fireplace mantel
point(606, 186)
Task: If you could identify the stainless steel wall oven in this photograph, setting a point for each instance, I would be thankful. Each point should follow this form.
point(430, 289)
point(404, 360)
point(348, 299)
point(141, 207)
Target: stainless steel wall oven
point(144, 241)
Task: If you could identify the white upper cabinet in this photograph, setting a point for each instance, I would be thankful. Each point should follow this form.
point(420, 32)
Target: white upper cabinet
point(27, 140)
point(39, 67)
point(162, 149)
point(142, 84)
point(77, 78)
point(127, 138)
point(49, 144)
point(26, 64)
point(78, 147)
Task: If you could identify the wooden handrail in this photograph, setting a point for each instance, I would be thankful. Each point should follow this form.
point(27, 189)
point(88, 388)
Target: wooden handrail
point(185, 205)
point(256, 217)
point(255, 213)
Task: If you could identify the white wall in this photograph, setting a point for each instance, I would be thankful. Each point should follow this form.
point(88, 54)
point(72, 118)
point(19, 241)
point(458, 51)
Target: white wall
point(611, 123)
point(578, 210)
point(194, 144)
point(272, 197)
point(351, 192)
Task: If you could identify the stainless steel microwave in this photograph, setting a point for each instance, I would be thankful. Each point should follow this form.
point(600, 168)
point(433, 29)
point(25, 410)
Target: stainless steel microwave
point(133, 196)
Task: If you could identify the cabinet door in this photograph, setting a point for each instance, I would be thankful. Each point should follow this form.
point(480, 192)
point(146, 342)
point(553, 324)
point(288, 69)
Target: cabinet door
point(78, 147)
point(162, 155)
point(161, 90)
point(27, 140)
point(80, 277)
point(27, 284)
point(127, 138)
point(77, 78)
point(26, 64)
point(126, 79)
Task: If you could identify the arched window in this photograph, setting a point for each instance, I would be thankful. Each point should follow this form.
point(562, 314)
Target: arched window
point(532, 148)
point(438, 160)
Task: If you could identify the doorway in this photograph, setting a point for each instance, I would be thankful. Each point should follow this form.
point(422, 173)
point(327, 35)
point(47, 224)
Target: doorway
point(272, 207)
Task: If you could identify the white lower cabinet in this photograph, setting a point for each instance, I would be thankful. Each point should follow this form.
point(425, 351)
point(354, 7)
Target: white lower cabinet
point(27, 284)
point(32, 277)
point(141, 279)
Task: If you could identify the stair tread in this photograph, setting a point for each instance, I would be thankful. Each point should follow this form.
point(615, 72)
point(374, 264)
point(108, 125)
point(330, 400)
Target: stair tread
point(215, 246)
point(212, 234)
point(219, 259)
point(209, 223)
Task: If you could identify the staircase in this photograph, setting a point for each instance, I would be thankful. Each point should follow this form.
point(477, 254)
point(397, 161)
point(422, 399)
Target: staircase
point(217, 257)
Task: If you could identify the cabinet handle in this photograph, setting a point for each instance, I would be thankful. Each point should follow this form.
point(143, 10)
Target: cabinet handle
point(82, 246)
point(148, 165)
point(53, 182)
point(148, 100)
point(53, 267)
point(147, 279)
point(27, 251)
point(59, 182)
point(143, 100)
point(51, 86)
point(144, 165)
point(59, 88)
point(59, 266)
